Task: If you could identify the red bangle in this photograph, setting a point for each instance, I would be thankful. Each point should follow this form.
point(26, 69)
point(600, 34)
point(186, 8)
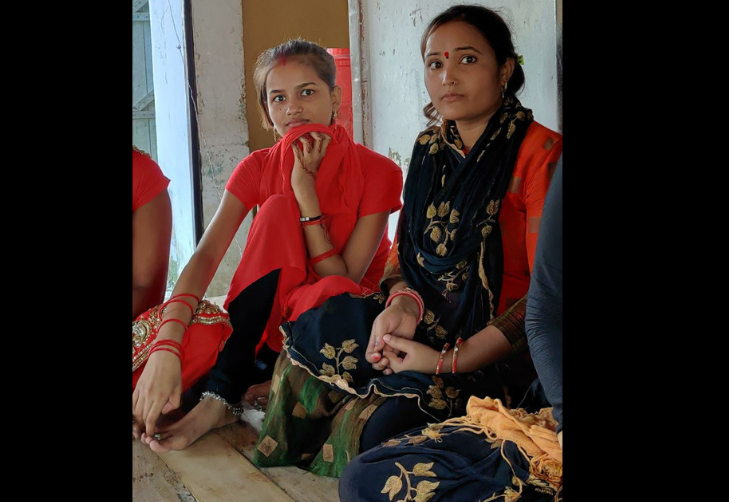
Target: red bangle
point(311, 222)
point(440, 359)
point(412, 294)
point(185, 294)
point(322, 257)
point(155, 349)
point(176, 300)
point(172, 343)
point(171, 320)
point(455, 354)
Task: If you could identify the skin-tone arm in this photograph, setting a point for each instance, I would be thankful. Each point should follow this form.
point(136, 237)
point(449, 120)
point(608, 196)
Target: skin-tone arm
point(151, 234)
point(355, 259)
point(159, 388)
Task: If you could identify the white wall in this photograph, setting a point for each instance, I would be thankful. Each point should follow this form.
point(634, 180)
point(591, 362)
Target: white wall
point(393, 90)
point(221, 114)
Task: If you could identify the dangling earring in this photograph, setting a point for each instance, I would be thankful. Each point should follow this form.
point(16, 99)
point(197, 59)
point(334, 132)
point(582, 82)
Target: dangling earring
point(334, 116)
point(503, 90)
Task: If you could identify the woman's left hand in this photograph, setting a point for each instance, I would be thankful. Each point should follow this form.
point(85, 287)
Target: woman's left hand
point(418, 357)
point(307, 160)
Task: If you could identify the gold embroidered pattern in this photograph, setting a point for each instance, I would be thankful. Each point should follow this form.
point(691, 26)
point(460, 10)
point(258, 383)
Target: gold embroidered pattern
point(144, 330)
point(424, 490)
point(348, 363)
point(432, 326)
point(437, 391)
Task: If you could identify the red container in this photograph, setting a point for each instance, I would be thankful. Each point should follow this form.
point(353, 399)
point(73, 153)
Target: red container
point(344, 80)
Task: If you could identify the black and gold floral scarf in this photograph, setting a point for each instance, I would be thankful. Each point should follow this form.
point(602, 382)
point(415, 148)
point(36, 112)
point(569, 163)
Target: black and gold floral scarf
point(450, 245)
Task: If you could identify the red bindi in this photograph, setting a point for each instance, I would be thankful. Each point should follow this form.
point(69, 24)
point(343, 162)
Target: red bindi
point(446, 54)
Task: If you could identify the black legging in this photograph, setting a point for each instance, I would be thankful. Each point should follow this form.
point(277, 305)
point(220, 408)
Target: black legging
point(393, 417)
point(237, 367)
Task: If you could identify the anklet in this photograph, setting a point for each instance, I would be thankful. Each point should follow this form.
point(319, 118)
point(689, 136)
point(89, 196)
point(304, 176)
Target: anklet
point(236, 409)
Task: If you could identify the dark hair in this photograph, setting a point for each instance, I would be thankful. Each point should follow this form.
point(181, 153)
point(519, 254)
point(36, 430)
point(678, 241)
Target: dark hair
point(297, 49)
point(496, 32)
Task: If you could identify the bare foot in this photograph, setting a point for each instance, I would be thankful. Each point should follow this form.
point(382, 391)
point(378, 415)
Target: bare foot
point(258, 394)
point(209, 414)
point(162, 422)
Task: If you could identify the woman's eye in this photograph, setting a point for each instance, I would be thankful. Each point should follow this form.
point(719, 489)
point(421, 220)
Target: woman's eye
point(434, 65)
point(307, 92)
point(278, 99)
point(468, 59)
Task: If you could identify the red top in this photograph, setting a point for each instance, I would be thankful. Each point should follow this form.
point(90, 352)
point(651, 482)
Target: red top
point(352, 182)
point(147, 179)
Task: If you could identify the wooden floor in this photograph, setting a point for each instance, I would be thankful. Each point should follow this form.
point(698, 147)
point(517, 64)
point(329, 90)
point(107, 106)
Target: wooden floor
point(217, 467)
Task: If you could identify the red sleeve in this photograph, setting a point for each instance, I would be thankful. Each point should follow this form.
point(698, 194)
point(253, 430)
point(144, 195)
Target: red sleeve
point(147, 180)
point(540, 155)
point(245, 181)
point(383, 183)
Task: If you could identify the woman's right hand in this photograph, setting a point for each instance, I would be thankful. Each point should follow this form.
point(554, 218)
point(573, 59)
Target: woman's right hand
point(399, 319)
point(159, 390)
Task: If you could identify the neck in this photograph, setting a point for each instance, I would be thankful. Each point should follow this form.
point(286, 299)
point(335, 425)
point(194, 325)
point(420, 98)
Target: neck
point(471, 130)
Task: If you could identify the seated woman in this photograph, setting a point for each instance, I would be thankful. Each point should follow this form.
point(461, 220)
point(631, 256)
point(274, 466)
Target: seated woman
point(320, 231)
point(494, 452)
point(151, 232)
point(453, 324)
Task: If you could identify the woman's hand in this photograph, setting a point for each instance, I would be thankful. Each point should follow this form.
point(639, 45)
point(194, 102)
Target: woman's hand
point(159, 390)
point(307, 160)
point(418, 357)
point(399, 319)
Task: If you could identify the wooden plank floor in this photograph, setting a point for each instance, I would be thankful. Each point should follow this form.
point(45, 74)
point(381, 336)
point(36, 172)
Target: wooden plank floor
point(217, 468)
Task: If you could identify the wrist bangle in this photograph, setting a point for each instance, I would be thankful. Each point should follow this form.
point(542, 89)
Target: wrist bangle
point(305, 219)
point(313, 261)
point(412, 294)
point(455, 354)
point(440, 359)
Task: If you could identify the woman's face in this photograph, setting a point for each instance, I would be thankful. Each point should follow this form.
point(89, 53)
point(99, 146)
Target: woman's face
point(461, 73)
point(296, 96)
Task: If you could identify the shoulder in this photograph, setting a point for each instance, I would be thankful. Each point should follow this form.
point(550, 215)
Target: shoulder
point(539, 138)
point(371, 160)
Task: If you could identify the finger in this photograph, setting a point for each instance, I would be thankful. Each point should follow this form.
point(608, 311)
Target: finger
point(317, 140)
point(306, 143)
point(388, 371)
point(397, 343)
point(151, 417)
point(381, 365)
point(297, 152)
point(173, 402)
point(325, 144)
point(395, 361)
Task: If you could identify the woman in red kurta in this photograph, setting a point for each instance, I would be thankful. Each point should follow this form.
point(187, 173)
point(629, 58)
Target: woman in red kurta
point(151, 231)
point(320, 231)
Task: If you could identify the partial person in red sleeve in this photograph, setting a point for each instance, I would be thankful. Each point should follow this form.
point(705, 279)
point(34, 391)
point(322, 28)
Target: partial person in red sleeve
point(320, 231)
point(151, 232)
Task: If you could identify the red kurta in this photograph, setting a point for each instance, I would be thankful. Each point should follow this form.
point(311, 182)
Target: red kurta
point(352, 182)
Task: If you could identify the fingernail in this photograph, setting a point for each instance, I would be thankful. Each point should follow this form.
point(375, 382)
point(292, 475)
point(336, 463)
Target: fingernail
point(377, 342)
point(386, 338)
point(376, 357)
